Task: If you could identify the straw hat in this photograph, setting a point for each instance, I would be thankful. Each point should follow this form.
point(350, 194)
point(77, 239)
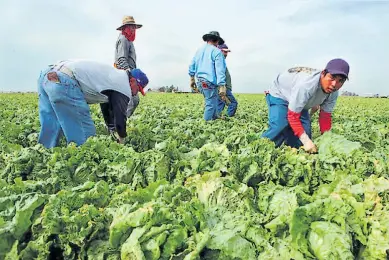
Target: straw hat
point(129, 20)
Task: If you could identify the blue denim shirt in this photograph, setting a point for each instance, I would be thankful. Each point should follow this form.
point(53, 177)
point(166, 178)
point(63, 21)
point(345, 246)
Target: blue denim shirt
point(209, 64)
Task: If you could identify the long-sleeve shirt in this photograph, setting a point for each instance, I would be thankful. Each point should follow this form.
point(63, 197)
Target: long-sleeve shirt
point(209, 64)
point(95, 77)
point(301, 87)
point(115, 111)
point(125, 55)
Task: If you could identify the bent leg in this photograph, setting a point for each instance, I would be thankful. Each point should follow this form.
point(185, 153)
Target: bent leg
point(278, 121)
point(233, 105)
point(50, 131)
point(72, 111)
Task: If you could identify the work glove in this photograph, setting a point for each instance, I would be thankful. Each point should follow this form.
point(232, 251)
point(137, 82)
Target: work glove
point(121, 140)
point(117, 138)
point(223, 94)
point(112, 132)
point(309, 146)
point(110, 128)
point(193, 85)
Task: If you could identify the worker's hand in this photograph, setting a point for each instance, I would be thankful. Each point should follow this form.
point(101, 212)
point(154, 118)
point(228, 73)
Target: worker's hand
point(121, 140)
point(223, 93)
point(309, 146)
point(193, 85)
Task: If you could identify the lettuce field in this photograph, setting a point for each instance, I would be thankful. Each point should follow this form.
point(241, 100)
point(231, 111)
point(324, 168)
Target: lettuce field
point(183, 188)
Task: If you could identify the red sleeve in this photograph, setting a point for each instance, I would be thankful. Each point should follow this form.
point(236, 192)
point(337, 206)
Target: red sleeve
point(324, 121)
point(295, 123)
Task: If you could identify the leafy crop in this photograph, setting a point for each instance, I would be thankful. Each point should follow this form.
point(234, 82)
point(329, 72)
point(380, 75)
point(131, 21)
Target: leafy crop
point(182, 188)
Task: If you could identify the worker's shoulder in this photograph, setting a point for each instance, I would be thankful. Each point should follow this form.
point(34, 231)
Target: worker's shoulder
point(123, 40)
point(304, 75)
point(304, 70)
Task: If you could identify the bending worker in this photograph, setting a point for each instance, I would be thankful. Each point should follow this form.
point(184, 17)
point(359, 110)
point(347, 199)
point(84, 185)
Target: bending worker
point(209, 67)
point(66, 89)
point(293, 93)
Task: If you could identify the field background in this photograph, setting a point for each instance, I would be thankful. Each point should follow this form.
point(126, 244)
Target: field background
point(183, 188)
point(159, 115)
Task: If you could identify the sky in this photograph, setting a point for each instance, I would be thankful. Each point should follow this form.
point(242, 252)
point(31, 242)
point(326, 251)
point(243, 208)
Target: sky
point(265, 38)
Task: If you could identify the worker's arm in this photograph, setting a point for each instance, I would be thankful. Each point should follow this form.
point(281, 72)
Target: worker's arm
point(108, 116)
point(118, 102)
point(326, 109)
point(220, 68)
point(192, 67)
point(297, 102)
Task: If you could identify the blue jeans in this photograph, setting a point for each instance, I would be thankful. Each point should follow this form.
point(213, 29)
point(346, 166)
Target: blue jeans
point(231, 107)
point(279, 130)
point(63, 111)
point(211, 96)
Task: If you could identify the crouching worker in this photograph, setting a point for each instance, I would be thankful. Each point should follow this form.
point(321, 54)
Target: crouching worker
point(296, 91)
point(65, 90)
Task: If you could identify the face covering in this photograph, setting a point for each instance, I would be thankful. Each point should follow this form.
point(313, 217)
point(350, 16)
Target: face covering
point(129, 33)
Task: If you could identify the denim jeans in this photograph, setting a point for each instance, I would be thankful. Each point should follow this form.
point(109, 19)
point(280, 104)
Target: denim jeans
point(279, 130)
point(231, 110)
point(210, 93)
point(63, 111)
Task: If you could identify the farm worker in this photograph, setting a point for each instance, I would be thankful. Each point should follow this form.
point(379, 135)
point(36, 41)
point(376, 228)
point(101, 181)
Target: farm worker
point(293, 93)
point(65, 90)
point(230, 99)
point(125, 58)
point(209, 67)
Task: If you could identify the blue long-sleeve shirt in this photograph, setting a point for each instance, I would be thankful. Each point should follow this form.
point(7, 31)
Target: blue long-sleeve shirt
point(209, 64)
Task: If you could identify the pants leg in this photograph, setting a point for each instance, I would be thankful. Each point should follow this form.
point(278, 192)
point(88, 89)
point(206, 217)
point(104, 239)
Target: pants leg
point(50, 131)
point(132, 105)
point(211, 102)
point(278, 120)
point(220, 106)
point(71, 109)
point(231, 110)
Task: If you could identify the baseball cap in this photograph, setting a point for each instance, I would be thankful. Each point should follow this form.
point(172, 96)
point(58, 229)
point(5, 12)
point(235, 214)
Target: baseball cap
point(224, 47)
point(338, 67)
point(141, 78)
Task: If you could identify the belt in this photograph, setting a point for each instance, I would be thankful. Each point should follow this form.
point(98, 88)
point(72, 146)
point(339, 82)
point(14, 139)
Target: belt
point(62, 68)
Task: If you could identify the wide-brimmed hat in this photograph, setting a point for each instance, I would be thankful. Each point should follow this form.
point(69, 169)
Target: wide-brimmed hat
point(213, 34)
point(129, 20)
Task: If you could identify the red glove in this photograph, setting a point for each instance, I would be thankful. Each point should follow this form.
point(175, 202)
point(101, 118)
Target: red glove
point(295, 123)
point(324, 121)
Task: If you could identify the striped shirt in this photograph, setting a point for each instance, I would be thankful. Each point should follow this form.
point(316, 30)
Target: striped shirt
point(125, 56)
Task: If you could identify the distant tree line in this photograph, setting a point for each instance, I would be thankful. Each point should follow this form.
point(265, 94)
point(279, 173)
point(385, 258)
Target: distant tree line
point(347, 93)
point(166, 89)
